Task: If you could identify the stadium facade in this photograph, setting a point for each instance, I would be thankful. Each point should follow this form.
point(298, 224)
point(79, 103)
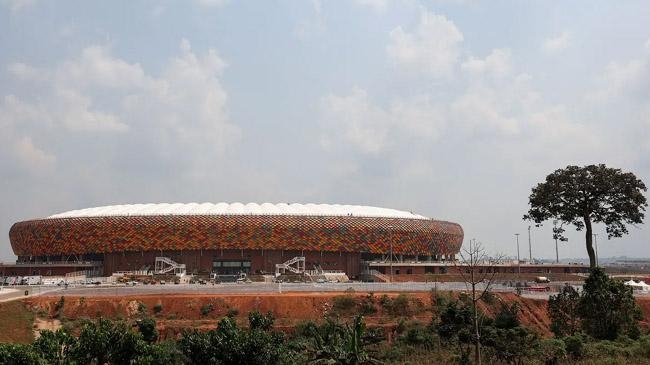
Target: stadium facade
point(231, 238)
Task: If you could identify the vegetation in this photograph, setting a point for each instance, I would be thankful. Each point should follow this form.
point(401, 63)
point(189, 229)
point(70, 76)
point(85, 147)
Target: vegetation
point(585, 195)
point(605, 310)
point(444, 334)
point(157, 308)
point(563, 310)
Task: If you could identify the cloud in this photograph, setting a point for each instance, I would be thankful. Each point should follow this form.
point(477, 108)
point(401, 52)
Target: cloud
point(355, 120)
point(433, 48)
point(556, 44)
point(630, 79)
point(497, 63)
point(33, 158)
point(24, 72)
point(102, 105)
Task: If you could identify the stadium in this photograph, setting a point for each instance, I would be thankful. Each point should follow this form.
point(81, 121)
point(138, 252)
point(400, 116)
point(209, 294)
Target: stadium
point(234, 238)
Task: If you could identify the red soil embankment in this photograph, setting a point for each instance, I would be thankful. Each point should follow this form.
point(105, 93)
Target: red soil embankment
point(177, 312)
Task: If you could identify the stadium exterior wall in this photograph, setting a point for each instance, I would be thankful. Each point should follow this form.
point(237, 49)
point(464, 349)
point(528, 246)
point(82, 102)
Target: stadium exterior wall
point(130, 242)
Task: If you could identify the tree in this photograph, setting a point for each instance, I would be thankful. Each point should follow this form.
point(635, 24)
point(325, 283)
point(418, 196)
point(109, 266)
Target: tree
point(147, 328)
point(334, 343)
point(607, 308)
point(563, 310)
point(455, 326)
point(478, 272)
point(591, 194)
point(55, 347)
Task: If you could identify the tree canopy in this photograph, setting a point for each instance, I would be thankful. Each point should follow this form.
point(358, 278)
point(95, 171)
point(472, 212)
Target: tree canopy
point(591, 194)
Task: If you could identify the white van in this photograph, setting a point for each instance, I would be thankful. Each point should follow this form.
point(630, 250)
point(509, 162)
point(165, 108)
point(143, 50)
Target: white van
point(32, 280)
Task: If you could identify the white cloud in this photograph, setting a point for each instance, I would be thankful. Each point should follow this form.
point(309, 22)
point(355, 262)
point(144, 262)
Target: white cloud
point(432, 48)
point(497, 63)
point(481, 110)
point(358, 121)
point(630, 78)
point(178, 117)
point(558, 43)
point(32, 157)
point(24, 72)
point(355, 120)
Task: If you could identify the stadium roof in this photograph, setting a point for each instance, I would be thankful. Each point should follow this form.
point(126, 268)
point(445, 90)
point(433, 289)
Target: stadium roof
point(238, 209)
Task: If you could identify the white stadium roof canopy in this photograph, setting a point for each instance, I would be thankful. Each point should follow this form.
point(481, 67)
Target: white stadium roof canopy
point(237, 209)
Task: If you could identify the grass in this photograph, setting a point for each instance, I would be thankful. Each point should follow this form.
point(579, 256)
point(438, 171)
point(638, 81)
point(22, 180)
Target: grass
point(16, 322)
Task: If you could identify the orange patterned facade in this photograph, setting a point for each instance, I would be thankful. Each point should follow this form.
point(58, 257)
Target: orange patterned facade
point(87, 235)
point(130, 242)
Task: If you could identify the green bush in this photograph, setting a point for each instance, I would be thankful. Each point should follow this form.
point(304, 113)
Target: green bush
point(575, 346)
point(367, 305)
point(142, 308)
point(552, 351)
point(418, 334)
point(157, 308)
point(206, 309)
point(343, 303)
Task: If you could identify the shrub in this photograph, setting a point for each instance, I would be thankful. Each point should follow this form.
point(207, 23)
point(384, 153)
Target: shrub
point(58, 307)
point(157, 308)
point(343, 303)
point(142, 308)
point(607, 308)
point(575, 346)
point(417, 334)
point(386, 303)
point(232, 312)
point(367, 305)
point(563, 310)
point(147, 328)
point(552, 351)
point(206, 309)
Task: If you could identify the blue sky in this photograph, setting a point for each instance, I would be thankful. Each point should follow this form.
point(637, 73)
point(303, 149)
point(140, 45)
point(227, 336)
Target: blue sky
point(450, 109)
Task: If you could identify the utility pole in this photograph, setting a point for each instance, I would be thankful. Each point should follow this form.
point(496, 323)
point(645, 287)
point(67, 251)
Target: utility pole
point(518, 260)
point(391, 261)
point(530, 248)
point(596, 244)
point(557, 255)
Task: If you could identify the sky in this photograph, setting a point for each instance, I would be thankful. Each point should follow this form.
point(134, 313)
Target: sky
point(449, 109)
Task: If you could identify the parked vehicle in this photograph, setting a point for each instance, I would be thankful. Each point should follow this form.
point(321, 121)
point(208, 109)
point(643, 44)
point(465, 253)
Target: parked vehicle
point(32, 280)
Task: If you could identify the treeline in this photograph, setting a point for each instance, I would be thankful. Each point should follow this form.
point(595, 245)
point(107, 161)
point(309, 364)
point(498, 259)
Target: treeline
point(597, 326)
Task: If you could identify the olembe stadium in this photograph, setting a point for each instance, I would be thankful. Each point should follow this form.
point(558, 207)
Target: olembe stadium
point(234, 238)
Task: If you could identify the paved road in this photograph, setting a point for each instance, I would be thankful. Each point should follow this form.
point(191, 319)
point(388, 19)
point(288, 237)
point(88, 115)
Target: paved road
point(18, 292)
point(251, 288)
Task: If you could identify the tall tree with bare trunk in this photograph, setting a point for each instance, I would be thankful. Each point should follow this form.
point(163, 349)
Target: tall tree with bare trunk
point(582, 196)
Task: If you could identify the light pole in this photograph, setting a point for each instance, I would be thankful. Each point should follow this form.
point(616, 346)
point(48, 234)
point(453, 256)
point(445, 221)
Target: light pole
point(391, 261)
point(518, 261)
point(596, 244)
point(530, 248)
point(557, 254)
point(391, 254)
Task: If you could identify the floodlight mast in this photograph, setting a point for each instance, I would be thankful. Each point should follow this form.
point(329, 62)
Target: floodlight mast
point(518, 260)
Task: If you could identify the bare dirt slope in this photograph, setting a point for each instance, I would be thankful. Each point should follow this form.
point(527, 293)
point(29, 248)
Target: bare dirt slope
point(177, 312)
